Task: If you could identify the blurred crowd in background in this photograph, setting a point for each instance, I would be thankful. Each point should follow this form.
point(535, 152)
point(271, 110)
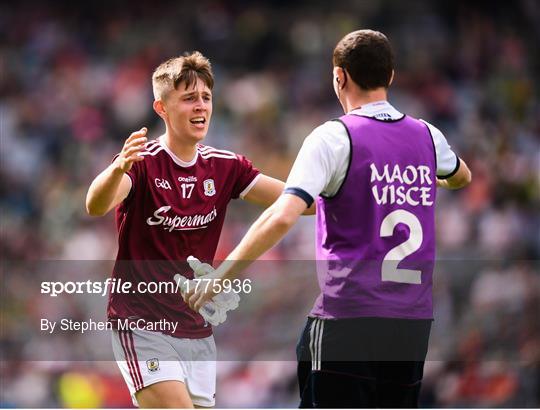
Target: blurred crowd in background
point(75, 82)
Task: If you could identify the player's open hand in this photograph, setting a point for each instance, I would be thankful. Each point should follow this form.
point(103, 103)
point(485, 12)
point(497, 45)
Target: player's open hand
point(131, 149)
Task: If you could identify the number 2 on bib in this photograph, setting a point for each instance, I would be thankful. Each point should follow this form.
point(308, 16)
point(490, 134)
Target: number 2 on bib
point(389, 270)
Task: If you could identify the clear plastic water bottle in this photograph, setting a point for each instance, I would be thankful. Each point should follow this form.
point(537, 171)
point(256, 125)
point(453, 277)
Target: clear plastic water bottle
point(225, 300)
point(212, 313)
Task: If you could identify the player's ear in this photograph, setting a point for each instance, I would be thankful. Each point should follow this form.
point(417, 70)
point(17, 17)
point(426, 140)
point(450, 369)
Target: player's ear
point(340, 77)
point(391, 78)
point(335, 73)
point(159, 108)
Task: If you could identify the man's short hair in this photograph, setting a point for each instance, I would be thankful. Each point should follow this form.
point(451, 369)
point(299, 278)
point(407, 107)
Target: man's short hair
point(188, 67)
point(367, 57)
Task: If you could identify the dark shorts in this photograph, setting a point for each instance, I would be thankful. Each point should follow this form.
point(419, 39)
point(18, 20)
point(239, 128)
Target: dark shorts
point(362, 362)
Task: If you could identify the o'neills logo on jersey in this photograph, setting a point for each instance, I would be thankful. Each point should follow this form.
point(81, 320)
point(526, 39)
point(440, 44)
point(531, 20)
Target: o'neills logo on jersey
point(187, 179)
point(180, 223)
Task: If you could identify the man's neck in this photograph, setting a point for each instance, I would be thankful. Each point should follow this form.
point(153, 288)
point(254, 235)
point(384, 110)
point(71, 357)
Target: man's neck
point(185, 151)
point(357, 98)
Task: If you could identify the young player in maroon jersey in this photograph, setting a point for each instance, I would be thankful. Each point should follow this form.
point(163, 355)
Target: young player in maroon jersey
point(171, 195)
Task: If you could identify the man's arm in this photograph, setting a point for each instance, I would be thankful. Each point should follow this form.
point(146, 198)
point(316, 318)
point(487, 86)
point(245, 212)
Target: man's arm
point(107, 190)
point(267, 190)
point(324, 154)
point(112, 186)
point(455, 171)
point(266, 232)
point(459, 180)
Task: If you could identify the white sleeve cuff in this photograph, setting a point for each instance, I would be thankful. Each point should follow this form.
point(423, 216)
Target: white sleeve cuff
point(248, 188)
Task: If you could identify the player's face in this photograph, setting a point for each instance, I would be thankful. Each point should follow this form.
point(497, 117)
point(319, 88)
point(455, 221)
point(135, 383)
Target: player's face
point(189, 110)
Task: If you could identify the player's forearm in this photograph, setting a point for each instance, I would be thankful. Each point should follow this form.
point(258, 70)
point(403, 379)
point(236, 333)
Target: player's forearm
point(443, 183)
point(266, 232)
point(103, 190)
point(312, 210)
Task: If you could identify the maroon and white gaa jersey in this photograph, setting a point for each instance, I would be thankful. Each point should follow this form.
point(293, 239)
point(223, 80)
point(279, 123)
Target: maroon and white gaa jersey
point(174, 209)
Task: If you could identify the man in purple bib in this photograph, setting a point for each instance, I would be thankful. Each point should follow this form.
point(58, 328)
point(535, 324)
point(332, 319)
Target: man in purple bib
point(373, 174)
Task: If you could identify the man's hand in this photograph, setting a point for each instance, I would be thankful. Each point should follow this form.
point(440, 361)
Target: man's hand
point(112, 186)
point(199, 269)
point(129, 154)
point(200, 291)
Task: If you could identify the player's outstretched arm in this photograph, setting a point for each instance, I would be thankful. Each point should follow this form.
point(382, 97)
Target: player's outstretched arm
point(271, 226)
point(112, 186)
point(267, 190)
point(459, 180)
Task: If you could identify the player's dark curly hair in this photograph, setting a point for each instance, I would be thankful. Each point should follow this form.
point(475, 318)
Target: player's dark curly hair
point(367, 57)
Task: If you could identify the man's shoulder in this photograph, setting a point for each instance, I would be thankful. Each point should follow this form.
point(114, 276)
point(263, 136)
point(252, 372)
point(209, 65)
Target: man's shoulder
point(333, 126)
point(328, 134)
point(221, 161)
point(428, 124)
point(152, 148)
point(208, 152)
